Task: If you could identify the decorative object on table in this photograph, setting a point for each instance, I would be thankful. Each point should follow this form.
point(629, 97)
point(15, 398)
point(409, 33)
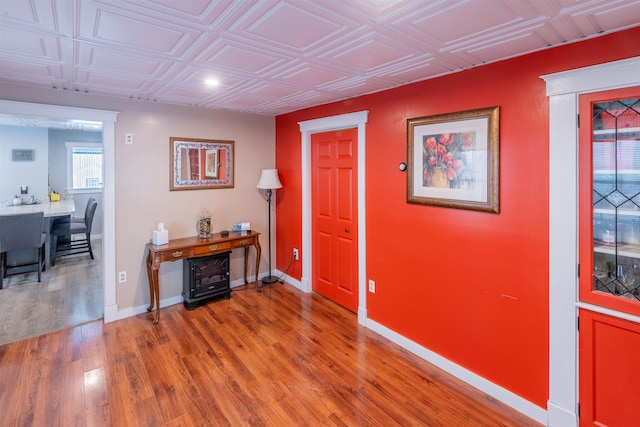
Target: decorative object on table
point(241, 226)
point(54, 197)
point(204, 224)
point(160, 236)
point(17, 200)
point(200, 163)
point(452, 160)
point(224, 233)
point(269, 181)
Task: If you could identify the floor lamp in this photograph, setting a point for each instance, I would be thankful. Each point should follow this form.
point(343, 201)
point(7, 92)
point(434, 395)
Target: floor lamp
point(269, 181)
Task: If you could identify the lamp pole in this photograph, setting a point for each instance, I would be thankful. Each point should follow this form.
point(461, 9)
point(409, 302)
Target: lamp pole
point(269, 181)
point(269, 279)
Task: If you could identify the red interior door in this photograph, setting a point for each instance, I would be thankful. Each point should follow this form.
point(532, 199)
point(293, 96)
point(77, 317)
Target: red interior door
point(334, 216)
point(609, 221)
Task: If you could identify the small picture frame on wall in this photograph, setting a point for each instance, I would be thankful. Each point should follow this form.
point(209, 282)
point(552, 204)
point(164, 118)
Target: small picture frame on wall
point(18, 155)
point(453, 160)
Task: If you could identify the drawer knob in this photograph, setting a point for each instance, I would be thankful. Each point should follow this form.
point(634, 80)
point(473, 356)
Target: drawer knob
point(213, 247)
point(244, 242)
point(177, 254)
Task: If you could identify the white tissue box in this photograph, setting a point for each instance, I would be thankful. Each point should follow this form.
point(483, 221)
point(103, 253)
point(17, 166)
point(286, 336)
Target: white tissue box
point(160, 237)
point(241, 226)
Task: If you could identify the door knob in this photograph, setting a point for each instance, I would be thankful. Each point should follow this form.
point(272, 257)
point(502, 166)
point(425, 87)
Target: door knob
point(346, 230)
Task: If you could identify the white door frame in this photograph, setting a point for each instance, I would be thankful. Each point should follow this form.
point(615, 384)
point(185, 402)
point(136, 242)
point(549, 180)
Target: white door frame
point(326, 124)
point(563, 90)
point(108, 119)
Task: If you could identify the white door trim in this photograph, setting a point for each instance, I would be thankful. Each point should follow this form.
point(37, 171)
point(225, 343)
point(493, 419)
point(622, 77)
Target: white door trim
point(325, 124)
point(108, 119)
point(563, 90)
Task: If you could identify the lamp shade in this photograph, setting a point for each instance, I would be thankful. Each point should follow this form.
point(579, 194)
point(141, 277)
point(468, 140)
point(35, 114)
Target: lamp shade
point(269, 180)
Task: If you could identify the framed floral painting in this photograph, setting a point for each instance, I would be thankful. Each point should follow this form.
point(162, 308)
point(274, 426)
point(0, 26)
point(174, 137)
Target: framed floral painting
point(453, 160)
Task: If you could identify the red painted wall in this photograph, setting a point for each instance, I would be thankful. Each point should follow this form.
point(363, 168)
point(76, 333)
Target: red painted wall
point(470, 286)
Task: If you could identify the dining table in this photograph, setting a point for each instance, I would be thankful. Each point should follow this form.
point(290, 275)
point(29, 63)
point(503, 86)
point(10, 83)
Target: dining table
point(51, 210)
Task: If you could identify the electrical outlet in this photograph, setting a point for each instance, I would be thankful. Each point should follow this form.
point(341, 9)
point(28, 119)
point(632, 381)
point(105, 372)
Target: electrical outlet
point(372, 286)
point(122, 277)
point(295, 254)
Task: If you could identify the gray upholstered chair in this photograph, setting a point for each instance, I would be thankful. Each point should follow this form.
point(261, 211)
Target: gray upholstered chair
point(21, 245)
point(63, 229)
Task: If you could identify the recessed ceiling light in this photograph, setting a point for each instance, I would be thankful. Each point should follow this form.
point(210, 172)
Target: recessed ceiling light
point(212, 82)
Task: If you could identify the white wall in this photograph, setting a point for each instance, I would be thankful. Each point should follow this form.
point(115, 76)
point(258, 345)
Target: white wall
point(142, 196)
point(15, 174)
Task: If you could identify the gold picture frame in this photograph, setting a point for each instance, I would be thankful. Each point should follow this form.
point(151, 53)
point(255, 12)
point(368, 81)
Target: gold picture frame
point(453, 160)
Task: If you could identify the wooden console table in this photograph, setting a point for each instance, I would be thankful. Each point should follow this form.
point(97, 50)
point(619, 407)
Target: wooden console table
point(194, 247)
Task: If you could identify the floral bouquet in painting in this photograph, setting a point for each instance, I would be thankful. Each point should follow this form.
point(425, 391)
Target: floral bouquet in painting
point(446, 159)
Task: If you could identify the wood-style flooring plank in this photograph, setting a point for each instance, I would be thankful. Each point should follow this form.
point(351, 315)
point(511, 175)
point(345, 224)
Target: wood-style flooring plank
point(275, 358)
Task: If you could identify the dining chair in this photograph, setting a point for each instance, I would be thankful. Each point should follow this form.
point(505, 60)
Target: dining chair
point(63, 230)
point(21, 245)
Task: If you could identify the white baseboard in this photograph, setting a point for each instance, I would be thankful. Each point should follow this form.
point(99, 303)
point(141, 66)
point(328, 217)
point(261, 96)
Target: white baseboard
point(290, 280)
point(560, 416)
point(110, 313)
point(134, 311)
point(503, 395)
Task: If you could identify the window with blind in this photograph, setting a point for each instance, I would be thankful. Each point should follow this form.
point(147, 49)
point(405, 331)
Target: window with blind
point(84, 167)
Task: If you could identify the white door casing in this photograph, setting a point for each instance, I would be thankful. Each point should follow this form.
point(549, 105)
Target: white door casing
point(563, 90)
point(325, 124)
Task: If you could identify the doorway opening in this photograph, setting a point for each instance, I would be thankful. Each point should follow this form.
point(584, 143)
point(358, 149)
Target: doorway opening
point(108, 119)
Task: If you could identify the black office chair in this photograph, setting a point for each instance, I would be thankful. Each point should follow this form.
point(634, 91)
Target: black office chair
point(63, 229)
point(21, 245)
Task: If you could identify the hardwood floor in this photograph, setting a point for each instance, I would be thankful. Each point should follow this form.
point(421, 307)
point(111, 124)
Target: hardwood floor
point(276, 358)
point(69, 294)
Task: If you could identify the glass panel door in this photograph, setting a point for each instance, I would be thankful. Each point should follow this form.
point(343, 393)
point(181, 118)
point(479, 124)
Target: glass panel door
point(615, 204)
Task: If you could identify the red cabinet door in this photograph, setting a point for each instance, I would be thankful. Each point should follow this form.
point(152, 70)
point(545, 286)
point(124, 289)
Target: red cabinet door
point(609, 252)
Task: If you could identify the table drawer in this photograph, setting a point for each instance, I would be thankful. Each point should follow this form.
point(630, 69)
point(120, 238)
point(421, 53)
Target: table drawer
point(211, 248)
point(177, 254)
point(241, 243)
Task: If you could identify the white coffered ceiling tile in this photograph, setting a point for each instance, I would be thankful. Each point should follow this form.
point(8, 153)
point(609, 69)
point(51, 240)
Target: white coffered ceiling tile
point(269, 90)
point(276, 56)
point(36, 13)
point(196, 75)
point(196, 14)
point(185, 94)
point(22, 43)
point(376, 11)
point(240, 58)
point(289, 25)
point(34, 73)
point(604, 17)
point(309, 76)
point(420, 72)
point(198, 10)
point(119, 62)
point(500, 47)
point(110, 26)
point(367, 53)
point(101, 82)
